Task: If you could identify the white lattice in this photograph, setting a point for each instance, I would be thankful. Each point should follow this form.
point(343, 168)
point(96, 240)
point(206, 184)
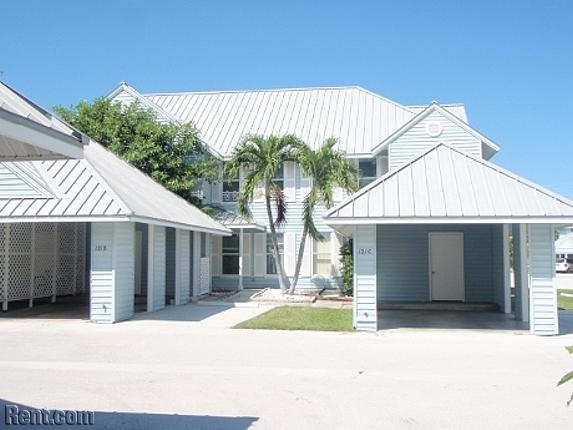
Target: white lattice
point(19, 276)
point(65, 275)
point(44, 275)
point(67, 238)
point(45, 238)
point(204, 276)
point(20, 238)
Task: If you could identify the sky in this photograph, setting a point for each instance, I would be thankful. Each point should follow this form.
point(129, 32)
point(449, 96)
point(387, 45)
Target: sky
point(510, 62)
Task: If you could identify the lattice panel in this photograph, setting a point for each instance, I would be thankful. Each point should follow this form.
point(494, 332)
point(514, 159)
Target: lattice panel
point(204, 276)
point(45, 238)
point(20, 238)
point(65, 275)
point(3, 229)
point(67, 239)
point(44, 275)
point(2, 276)
point(19, 276)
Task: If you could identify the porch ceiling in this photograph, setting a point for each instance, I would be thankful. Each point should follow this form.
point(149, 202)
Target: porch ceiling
point(446, 186)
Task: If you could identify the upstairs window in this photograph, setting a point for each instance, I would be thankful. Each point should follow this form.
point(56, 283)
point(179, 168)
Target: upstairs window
point(230, 255)
point(279, 179)
point(271, 266)
point(366, 171)
point(231, 190)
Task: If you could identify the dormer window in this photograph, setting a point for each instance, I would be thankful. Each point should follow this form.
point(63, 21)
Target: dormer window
point(279, 179)
point(366, 171)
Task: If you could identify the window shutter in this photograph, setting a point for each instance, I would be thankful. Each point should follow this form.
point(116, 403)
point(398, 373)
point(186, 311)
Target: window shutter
point(216, 259)
point(290, 181)
point(335, 244)
point(290, 253)
point(306, 266)
point(260, 254)
point(246, 251)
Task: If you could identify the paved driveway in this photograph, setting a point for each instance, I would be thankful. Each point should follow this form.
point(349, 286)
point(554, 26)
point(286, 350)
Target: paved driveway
point(186, 370)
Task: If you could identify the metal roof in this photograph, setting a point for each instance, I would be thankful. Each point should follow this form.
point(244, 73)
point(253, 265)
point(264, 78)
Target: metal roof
point(359, 118)
point(457, 109)
point(100, 187)
point(445, 185)
point(29, 132)
point(564, 245)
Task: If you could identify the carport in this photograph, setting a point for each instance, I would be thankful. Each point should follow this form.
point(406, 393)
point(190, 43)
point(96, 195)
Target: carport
point(437, 231)
point(75, 219)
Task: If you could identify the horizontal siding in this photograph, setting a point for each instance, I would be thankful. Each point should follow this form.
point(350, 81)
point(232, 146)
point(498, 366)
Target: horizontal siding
point(365, 278)
point(416, 141)
point(403, 258)
point(124, 267)
point(543, 295)
point(102, 275)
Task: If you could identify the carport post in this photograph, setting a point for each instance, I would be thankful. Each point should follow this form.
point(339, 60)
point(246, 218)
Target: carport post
point(365, 285)
point(241, 253)
point(521, 272)
point(506, 271)
point(150, 266)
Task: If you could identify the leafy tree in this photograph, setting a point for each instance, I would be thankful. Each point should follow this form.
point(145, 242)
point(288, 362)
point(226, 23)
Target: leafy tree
point(171, 154)
point(347, 268)
point(261, 158)
point(328, 168)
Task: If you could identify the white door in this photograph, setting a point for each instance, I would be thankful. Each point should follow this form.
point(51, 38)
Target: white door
point(446, 266)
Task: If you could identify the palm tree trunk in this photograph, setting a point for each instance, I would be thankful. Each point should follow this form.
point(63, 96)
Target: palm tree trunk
point(275, 247)
point(299, 258)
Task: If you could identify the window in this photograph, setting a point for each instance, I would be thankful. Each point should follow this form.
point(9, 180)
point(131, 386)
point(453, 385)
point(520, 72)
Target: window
point(279, 179)
point(321, 256)
point(271, 266)
point(366, 171)
point(231, 190)
point(231, 255)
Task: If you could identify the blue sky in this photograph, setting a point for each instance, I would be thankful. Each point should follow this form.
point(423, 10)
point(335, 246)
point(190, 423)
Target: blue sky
point(510, 62)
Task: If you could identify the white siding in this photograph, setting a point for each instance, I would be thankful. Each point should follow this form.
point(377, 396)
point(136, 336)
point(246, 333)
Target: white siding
point(416, 140)
point(289, 253)
point(182, 266)
point(159, 268)
point(260, 254)
point(101, 274)
point(124, 269)
point(365, 300)
point(543, 294)
point(112, 271)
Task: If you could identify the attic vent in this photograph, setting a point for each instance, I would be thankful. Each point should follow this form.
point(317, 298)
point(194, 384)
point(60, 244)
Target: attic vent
point(434, 129)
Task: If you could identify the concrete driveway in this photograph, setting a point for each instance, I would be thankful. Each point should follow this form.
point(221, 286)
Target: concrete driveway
point(182, 368)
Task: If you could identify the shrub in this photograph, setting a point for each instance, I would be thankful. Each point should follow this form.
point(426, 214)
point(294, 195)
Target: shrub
point(347, 269)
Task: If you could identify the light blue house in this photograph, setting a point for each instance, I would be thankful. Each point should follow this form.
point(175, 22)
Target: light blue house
point(431, 223)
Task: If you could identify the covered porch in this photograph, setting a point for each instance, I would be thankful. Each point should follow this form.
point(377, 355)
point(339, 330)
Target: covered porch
point(447, 228)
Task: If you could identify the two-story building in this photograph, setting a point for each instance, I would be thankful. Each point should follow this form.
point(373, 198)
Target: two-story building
point(431, 222)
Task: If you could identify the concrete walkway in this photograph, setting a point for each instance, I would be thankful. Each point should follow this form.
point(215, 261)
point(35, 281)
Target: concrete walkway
point(182, 368)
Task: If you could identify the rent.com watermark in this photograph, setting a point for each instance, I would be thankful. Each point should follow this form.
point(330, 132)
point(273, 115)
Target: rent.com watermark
point(18, 416)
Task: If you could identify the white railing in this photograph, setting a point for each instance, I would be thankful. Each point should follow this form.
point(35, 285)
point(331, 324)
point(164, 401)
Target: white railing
point(230, 196)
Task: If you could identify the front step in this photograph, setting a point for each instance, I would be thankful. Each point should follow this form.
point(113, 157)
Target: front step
point(439, 306)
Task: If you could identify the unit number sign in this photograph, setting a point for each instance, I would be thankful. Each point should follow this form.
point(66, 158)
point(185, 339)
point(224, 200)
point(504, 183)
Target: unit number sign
point(365, 251)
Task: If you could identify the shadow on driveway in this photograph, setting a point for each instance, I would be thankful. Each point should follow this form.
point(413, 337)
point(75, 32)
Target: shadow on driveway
point(124, 420)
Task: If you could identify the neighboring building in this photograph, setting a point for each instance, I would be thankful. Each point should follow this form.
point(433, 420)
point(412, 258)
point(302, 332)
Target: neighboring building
point(564, 244)
point(431, 222)
point(76, 219)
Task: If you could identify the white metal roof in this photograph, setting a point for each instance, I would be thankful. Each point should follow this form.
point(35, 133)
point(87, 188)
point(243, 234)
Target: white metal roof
point(234, 221)
point(457, 109)
point(445, 185)
point(100, 187)
point(28, 132)
point(359, 118)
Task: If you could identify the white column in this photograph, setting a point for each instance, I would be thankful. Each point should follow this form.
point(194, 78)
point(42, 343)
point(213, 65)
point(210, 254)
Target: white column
point(521, 272)
point(544, 317)
point(150, 266)
point(365, 285)
point(506, 271)
point(241, 253)
point(112, 275)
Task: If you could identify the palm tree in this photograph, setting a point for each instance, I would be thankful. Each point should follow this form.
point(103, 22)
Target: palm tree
point(261, 158)
point(328, 168)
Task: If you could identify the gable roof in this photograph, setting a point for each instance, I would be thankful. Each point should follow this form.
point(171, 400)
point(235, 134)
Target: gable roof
point(457, 109)
point(435, 107)
point(29, 132)
point(444, 185)
point(102, 187)
point(356, 116)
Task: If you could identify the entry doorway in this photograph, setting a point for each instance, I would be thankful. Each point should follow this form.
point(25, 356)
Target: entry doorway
point(446, 266)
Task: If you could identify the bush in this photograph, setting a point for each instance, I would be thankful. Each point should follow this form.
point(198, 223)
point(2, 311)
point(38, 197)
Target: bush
point(347, 269)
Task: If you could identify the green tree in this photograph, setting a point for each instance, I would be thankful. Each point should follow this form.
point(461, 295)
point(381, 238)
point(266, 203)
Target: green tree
point(568, 377)
point(171, 154)
point(261, 158)
point(328, 168)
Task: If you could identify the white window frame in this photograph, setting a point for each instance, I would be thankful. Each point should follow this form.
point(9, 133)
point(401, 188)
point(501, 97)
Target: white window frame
point(326, 255)
point(269, 253)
